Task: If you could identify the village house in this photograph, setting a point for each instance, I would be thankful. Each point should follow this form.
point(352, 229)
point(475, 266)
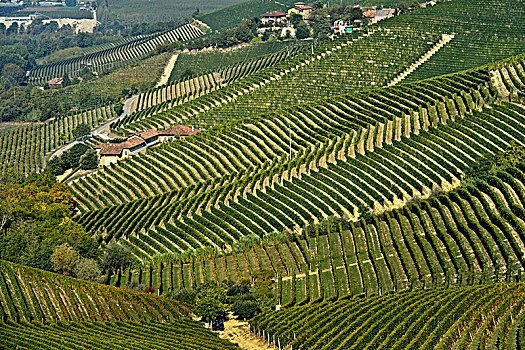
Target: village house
point(383, 14)
point(273, 16)
point(112, 152)
point(341, 27)
point(300, 8)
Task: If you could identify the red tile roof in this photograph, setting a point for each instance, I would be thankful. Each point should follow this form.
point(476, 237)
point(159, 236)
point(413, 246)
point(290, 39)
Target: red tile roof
point(148, 134)
point(179, 130)
point(114, 149)
point(273, 14)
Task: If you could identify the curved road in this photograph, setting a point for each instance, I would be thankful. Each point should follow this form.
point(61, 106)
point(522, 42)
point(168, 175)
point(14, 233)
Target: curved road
point(99, 131)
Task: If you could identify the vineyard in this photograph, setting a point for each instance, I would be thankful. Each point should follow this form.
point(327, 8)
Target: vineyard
point(472, 235)
point(25, 149)
point(186, 89)
point(318, 140)
point(364, 191)
point(29, 294)
point(206, 61)
point(486, 317)
point(116, 54)
point(47, 310)
point(340, 66)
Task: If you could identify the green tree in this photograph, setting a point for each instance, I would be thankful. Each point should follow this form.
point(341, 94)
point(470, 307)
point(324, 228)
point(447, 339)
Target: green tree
point(116, 257)
point(211, 301)
point(65, 259)
point(89, 160)
point(65, 80)
point(71, 158)
point(81, 130)
point(302, 30)
point(88, 269)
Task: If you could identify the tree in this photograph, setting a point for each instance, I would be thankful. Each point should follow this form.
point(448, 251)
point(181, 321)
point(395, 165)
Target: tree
point(116, 257)
point(65, 259)
point(88, 269)
point(245, 306)
point(81, 130)
point(71, 158)
point(12, 75)
point(65, 80)
point(9, 194)
point(211, 301)
point(89, 160)
point(302, 31)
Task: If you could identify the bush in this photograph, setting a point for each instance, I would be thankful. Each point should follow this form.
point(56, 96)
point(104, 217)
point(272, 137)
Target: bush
point(88, 269)
point(184, 295)
point(65, 259)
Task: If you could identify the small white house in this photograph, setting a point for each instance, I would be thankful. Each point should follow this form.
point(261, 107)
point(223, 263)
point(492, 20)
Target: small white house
point(342, 27)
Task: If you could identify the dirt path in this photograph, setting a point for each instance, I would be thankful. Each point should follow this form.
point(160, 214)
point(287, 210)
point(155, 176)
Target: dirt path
point(239, 333)
point(167, 70)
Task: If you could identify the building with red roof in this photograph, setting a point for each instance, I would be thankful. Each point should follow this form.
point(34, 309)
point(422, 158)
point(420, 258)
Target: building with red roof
point(273, 16)
point(112, 152)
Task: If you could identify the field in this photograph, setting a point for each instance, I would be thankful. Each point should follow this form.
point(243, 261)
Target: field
point(112, 55)
point(377, 178)
point(45, 310)
point(142, 11)
point(204, 62)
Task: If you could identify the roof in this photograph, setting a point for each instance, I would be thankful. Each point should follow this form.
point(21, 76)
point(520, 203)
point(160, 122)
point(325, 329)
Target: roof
point(179, 130)
point(303, 7)
point(299, 3)
point(148, 134)
point(273, 14)
point(113, 149)
point(370, 13)
point(384, 12)
point(55, 81)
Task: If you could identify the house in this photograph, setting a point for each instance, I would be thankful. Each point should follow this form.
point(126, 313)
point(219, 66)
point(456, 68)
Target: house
point(56, 82)
point(176, 132)
point(383, 14)
point(111, 152)
point(300, 8)
point(342, 27)
point(369, 14)
point(273, 16)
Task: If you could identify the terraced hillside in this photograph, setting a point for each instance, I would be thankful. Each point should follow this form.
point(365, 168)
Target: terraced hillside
point(472, 235)
point(485, 31)
point(178, 92)
point(124, 51)
point(179, 335)
point(25, 148)
point(50, 311)
point(201, 62)
point(329, 68)
point(29, 294)
point(486, 317)
point(339, 131)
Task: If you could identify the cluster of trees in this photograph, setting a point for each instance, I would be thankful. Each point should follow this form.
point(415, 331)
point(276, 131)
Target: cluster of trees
point(35, 220)
point(36, 230)
point(80, 155)
point(243, 33)
point(245, 299)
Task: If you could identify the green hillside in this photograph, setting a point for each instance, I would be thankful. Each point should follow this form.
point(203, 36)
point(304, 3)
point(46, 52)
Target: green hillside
point(142, 11)
point(486, 317)
point(50, 311)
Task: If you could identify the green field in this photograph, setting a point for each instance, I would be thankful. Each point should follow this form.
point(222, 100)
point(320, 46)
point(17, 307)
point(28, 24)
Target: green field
point(148, 11)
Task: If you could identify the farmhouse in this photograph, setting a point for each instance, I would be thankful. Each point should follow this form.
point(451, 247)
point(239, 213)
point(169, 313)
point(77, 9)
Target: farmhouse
point(273, 16)
point(112, 152)
point(300, 8)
